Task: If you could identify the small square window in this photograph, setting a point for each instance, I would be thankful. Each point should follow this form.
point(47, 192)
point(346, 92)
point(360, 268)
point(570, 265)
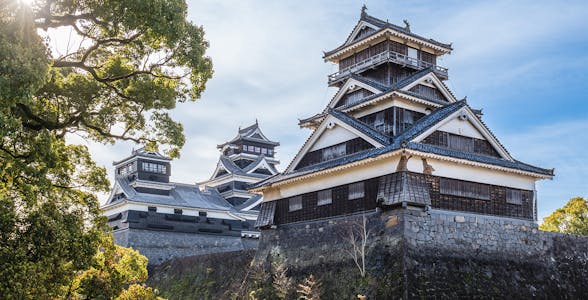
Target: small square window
point(177, 211)
point(514, 197)
point(356, 191)
point(202, 213)
point(295, 203)
point(152, 208)
point(263, 150)
point(324, 197)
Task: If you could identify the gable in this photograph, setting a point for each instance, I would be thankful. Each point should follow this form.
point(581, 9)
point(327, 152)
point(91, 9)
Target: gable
point(353, 89)
point(462, 127)
point(353, 97)
point(428, 92)
point(263, 167)
point(330, 133)
point(335, 135)
point(220, 170)
point(430, 86)
point(361, 30)
point(463, 131)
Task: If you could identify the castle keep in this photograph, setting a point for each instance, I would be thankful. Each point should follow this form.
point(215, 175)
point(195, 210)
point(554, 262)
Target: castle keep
point(445, 210)
point(395, 135)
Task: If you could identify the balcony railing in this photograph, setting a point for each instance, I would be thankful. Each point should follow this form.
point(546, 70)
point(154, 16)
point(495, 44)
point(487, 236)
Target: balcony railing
point(386, 56)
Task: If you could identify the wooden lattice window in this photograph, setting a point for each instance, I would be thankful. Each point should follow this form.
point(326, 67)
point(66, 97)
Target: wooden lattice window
point(324, 197)
point(514, 196)
point(464, 189)
point(295, 203)
point(356, 191)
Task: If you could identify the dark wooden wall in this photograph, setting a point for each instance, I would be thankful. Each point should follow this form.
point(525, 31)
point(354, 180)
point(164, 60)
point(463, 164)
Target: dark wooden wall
point(496, 204)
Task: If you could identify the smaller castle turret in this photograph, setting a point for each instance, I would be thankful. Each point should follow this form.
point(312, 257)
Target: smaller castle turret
point(246, 159)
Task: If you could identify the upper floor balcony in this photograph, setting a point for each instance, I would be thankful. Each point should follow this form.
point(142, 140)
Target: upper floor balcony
point(383, 57)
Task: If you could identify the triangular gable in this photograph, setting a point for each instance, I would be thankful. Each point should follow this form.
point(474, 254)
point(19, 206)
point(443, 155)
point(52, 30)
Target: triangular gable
point(430, 79)
point(220, 168)
point(357, 30)
point(262, 164)
point(350, 85)
point(256, 134)
point(116, 189)
point(472, 127)
point(320, 135)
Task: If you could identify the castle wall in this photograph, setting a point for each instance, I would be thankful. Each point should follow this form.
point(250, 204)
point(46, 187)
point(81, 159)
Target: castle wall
point(438, 254)
point(159, 246)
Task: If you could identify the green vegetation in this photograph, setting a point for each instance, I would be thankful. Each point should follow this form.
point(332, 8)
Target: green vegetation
point(127, 63)
point(571, 219)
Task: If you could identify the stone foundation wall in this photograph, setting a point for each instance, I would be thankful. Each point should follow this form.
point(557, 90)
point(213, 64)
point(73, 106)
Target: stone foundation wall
point(159, 246)
point(435, 254)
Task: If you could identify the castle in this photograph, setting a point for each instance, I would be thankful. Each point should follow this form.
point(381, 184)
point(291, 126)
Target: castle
point(164, 219)
point(395, 135)
point(402, 192)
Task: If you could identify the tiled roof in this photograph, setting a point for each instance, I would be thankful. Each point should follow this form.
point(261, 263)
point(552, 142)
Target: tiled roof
point(247, 134)
point(397, 88)
point(428, 122)
point(384, 25)
point(255, 200)
point(181, 195)
point(362, 127)
point(369, 82)
point(143, 153)
point(266, 216)
point(480, 158)
point(402, 187)
point(403, 141)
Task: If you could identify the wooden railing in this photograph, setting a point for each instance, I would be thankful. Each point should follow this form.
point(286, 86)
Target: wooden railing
point(386, 56)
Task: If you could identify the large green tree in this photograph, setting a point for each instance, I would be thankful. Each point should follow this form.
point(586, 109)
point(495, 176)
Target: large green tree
point(572, 218)
point(126, 63)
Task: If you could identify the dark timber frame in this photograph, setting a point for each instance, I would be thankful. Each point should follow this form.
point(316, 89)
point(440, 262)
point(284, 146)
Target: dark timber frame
point(496, 204)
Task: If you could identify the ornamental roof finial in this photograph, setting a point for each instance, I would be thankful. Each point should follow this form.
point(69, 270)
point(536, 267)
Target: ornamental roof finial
point(363, 9)
point(406, 25)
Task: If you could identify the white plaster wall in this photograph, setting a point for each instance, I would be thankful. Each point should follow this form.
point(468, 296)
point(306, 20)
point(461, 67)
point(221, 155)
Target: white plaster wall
point(330, 180)
point(333, 136)
point(460, 127)
point(472, 173)
point(389, 165)
point(389, 103)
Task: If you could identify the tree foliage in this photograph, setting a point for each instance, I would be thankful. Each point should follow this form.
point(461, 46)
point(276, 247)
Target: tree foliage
point(113, 269)
point(571, 219)
point(125, 65)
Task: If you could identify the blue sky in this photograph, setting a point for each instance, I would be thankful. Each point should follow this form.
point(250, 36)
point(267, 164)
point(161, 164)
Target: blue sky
point(525, 64)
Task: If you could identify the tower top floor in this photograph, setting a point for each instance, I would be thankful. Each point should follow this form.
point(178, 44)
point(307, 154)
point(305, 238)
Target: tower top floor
point(374, 42)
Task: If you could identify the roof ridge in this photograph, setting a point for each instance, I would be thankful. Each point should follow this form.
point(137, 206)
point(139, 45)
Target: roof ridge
point(428, 121)
point(369, 82)
point(361, 126)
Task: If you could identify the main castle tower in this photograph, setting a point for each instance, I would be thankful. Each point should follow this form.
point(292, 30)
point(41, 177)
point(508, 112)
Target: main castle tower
point(394, 135)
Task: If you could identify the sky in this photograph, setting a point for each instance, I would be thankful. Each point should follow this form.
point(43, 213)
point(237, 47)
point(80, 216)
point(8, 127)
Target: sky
point(525, 63)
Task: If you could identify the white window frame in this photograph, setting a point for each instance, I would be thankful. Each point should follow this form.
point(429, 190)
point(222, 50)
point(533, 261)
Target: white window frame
point(514, 196)
point(356, 191)
point(295, 203)
point(324, 197)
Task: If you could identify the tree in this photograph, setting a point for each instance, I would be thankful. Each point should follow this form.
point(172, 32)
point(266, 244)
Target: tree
point(357, 237)
point(129, 62)
point(571, 219)
point(310, 288)
point(113, 269)
point(281, 282)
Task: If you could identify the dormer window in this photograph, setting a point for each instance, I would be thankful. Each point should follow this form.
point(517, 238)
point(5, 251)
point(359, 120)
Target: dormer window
point(154, 168)
point(128, 168)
